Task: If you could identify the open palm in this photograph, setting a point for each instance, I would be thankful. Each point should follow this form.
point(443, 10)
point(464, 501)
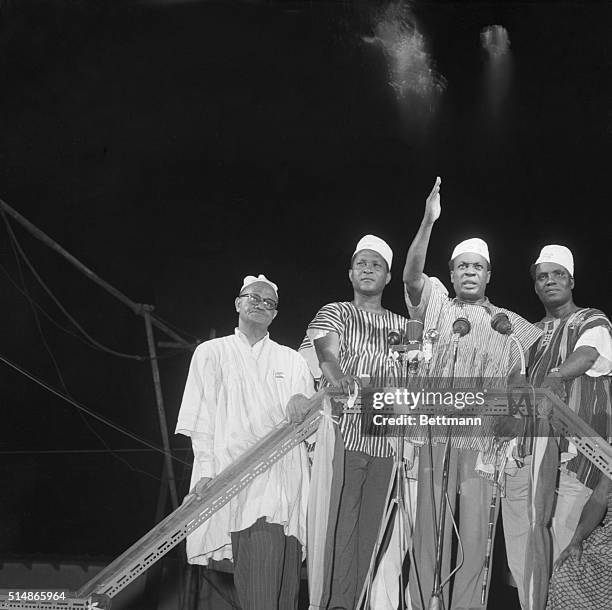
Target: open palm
point(432, 205)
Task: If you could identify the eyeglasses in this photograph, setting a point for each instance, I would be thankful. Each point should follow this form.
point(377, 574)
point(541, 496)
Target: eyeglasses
point(255, 299)
point(557, 274)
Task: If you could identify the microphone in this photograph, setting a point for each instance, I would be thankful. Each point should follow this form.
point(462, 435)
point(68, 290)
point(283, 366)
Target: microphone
point(414, 339)
point(501, 323)
point(461, 327)
point(394, 337)
point(414, 332)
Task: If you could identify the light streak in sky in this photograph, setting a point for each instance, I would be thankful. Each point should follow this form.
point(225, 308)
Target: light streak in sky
point(498, 68)
point(410, 67)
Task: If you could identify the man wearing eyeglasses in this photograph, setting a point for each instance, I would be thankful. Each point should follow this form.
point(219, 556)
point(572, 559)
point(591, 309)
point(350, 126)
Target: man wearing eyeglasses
point(237, 391)
point(573, 358)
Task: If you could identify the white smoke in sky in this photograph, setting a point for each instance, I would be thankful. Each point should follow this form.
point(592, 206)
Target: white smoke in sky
point(411, 69)
point(495, 40)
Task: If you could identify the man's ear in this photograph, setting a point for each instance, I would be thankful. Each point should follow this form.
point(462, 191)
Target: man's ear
point(388, 277)
point(488, 276)
point(274, 314)
point(237, 304)
point(350, 274)
point(572, 283)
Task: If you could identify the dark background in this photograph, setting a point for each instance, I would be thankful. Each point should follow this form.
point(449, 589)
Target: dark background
point(175, 147)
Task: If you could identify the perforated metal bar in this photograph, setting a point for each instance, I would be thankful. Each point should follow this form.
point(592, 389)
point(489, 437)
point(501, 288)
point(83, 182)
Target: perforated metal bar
point(176, 526)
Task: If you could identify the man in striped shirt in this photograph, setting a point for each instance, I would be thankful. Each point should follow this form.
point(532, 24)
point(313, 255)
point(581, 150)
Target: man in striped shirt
point(482, 357)
point(573, 359)
point(351, 342)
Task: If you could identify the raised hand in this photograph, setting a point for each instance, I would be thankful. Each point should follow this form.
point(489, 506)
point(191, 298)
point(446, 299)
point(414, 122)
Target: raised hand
point(432, 205)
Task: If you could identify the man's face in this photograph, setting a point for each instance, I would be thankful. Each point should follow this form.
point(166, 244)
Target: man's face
point(553, 284)
point(252, 312)
point(368, 272)
point(470, 276)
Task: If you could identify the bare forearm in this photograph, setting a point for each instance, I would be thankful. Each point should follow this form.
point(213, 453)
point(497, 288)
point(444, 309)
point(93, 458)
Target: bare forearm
point(332, 371)
point(578, 362)
point(592, 514)
point(417, 253)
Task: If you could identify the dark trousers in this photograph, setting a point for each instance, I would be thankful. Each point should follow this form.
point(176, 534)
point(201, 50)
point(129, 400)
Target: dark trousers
point(267, 567)
point(366, 481)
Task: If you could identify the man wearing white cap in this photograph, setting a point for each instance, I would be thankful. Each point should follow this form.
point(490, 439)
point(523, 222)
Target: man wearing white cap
point(573, 358)
point(351, 342)
point(482, 356)
point(237, 391)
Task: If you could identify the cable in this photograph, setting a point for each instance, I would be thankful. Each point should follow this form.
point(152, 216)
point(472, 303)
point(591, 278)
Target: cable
point(153, 316)
point(61, 377)
point(177, 328)
point(460, 544)
point(41, 308)
point(86, 410)
point(15, 243)
point(171, 354)
point(62, 451)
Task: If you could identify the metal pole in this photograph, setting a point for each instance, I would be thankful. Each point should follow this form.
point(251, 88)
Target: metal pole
point(135, 307)
point(161, 411)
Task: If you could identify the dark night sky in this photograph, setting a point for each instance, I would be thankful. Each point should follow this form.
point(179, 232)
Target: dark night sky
point(176, 147)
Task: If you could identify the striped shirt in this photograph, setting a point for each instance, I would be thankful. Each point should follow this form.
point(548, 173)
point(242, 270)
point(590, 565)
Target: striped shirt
point(485, 357)
point(363, 351)
point(587, 395)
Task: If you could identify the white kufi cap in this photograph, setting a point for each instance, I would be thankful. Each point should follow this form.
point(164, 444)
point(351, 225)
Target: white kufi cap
point(371, 242)
point(475, 245)
point(557, 254)
point(251, 279)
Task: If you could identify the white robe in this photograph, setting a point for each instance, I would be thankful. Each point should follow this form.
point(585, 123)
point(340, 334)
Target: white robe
point(234, 396)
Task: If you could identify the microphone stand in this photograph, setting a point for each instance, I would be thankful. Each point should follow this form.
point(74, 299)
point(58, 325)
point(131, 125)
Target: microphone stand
point(500, 323)
point(397, 503)
point(436, 601)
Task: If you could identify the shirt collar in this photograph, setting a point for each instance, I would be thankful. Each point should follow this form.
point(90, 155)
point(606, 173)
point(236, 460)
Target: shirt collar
point(242, 337)
point(486, 303)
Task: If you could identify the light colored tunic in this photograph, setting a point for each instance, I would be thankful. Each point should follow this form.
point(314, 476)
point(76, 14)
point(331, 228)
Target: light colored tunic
point(234, 396)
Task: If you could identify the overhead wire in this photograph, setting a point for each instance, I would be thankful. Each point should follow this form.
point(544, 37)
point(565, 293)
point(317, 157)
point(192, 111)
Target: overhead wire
point(169, 354)
point(16, 245)
point(87, 410)
point(69, 451)
point(41, 309)
point(177, 328)
point(155, 316)
point(86, 338)
point(61, 377)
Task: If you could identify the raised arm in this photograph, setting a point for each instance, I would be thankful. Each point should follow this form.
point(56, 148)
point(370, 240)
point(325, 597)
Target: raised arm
point(415, 260)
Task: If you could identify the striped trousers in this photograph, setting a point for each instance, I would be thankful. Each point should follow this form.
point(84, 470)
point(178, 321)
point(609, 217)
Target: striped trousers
point(267, 566)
